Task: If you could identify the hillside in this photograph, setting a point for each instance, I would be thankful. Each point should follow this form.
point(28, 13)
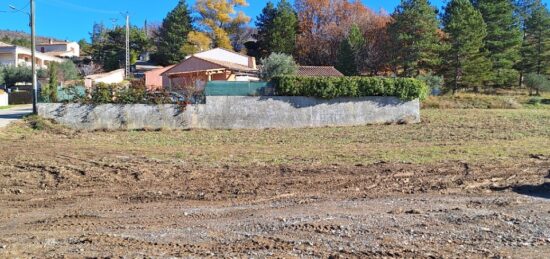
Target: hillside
point(21, 38)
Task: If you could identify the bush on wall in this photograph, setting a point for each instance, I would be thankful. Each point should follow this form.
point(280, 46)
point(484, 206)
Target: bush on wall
point(333, 87)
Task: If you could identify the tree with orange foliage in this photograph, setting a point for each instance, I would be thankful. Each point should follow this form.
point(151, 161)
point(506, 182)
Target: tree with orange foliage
point(196, 42)
point(375, 56)
point(220, 20)
point(324, 24)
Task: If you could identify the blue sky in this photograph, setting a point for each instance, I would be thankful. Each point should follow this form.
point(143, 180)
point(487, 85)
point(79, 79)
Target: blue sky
point(73, 19)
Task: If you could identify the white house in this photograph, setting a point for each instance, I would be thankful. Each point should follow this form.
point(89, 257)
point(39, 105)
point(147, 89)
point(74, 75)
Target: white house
point(113, 77)
point(11, 55)
point(63, 49)
point(225, 55)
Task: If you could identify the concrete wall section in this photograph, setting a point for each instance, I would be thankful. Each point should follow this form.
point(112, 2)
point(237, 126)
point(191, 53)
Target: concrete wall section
point(237, 112)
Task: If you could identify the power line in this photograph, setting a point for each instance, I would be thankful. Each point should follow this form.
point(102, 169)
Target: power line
point(16, 10)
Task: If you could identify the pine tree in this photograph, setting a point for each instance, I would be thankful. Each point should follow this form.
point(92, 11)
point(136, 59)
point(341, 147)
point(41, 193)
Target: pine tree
point(264, 23)
point(276, 29)
point(283, 37)
point(503, 39)
point(465, 63)
point(415, 35)
point(346, 59)
point(536, 43)
point(350, 52)
point(173, 35)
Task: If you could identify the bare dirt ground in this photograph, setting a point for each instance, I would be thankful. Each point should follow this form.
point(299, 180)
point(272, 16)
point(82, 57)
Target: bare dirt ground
point(67, 200)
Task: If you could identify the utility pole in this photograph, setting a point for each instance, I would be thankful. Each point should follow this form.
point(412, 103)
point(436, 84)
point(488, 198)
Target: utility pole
point(33, 51)
point(127, 45)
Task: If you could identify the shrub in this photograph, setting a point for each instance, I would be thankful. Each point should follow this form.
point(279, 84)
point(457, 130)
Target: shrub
point(536, 82)
point(68, 71)
point(13, 75)
point(102, 93)
point(278, 64)
point(135, 93)
point(435, 83)
point(131, 95)
point(536, 101)
point(332, 87)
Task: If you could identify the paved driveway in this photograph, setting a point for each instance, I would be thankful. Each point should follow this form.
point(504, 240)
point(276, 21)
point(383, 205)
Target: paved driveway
point(14, 114)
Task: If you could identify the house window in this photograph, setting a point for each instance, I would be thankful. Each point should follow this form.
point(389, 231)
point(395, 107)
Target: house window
point(26, 59)
point(42, 50)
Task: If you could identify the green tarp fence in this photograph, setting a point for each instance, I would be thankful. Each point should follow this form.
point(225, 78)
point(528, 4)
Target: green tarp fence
point(225, 88)
point(70, 93)
point(65, 94)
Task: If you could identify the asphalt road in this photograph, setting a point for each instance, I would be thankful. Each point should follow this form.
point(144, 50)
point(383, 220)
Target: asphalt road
point(13, 114)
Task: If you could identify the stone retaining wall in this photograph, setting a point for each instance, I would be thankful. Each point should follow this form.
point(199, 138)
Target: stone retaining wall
point(236, 112)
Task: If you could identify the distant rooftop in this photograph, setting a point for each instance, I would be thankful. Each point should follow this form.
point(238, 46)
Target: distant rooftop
point(318, 71)
point(2, 44)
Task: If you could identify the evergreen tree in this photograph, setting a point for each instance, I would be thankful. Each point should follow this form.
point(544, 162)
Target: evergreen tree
point(276, 29)
point(110, 50)
point(415, 35)
point(350, 52)
point(466, 65)
point(285, 24)
point(346, 59)
point(173, 35)
point(85, 47)
point(536, 43)
point(53, 82)
point(264, 24)
point(503, 39)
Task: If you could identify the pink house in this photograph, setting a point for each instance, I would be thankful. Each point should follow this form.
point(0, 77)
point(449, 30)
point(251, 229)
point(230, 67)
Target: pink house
point(154, 79)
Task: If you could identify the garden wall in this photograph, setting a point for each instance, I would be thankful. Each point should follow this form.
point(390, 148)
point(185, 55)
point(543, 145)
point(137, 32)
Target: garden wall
point(237, 112)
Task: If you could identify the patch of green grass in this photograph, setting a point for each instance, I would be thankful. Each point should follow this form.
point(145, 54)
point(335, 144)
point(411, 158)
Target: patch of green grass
point(485, 101)
point(6, 107)
point(473, 135)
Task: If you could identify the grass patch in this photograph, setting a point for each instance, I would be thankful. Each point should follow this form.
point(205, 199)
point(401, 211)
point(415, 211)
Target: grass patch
point(47, 126)
point(444, 135)
point(484, 101)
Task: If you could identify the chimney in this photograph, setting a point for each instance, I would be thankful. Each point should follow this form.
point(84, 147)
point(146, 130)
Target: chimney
point(252, 62)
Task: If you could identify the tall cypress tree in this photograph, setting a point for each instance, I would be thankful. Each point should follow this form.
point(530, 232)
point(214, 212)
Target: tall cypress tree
point(277, 28)
point(173, 35)
point(503, 39)
point(414, 33)
point(466, 65)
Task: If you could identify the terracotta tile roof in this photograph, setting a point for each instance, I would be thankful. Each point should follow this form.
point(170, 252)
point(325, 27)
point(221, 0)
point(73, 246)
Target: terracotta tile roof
point(318, 71)
point(160, 70)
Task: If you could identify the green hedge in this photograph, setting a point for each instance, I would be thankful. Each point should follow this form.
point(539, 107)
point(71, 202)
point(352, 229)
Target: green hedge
point(332, 87)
